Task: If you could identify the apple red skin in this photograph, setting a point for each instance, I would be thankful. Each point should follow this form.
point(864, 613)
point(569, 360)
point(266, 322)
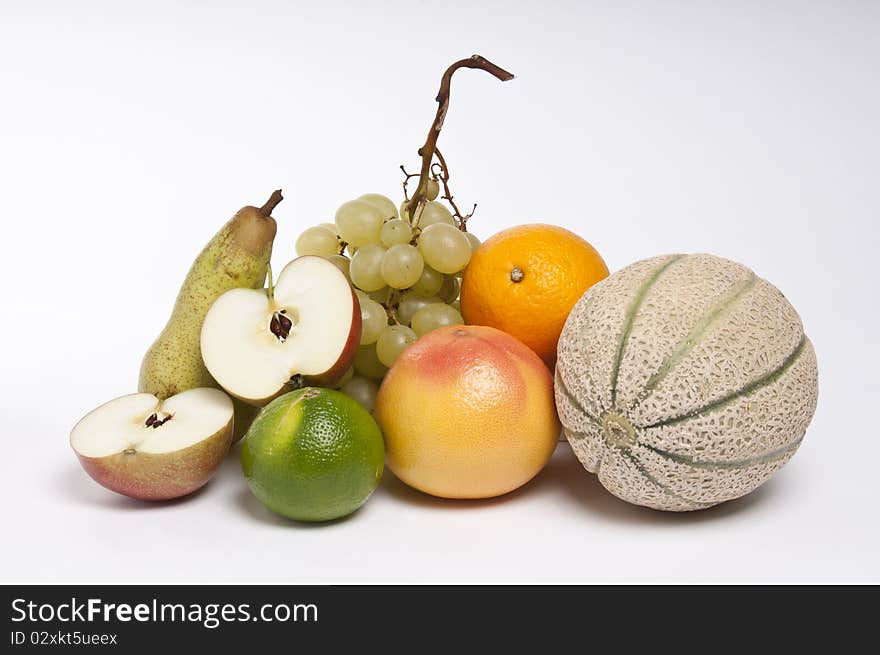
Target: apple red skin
point(150, 476)
point(346, 358)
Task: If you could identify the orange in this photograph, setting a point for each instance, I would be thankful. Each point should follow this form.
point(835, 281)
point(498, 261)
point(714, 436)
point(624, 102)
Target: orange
point(467, 412)
point(525, 280)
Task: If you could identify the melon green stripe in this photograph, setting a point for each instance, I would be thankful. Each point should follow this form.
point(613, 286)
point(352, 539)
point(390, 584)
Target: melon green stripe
point(582, 344)
point(574, 434)
point(719, 311)
point(665, 489)
point(751, 387)
point(560, 384)
point(764, 458)
point(630, 317)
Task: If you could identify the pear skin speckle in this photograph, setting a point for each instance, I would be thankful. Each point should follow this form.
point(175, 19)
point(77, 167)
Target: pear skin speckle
point(236, 257)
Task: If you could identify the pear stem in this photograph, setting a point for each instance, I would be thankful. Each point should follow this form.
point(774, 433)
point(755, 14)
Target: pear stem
point(271, 203)
point(426, 152)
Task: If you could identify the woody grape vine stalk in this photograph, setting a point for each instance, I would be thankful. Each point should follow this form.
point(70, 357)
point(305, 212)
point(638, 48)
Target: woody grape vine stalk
point(429, 150)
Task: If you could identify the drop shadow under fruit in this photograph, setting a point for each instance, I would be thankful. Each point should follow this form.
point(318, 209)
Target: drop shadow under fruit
point(400, 491)
point(76, 487)
point(583, 487)
point(251, 506)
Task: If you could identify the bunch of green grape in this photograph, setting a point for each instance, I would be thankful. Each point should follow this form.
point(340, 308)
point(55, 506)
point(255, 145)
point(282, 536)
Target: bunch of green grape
point(406, 272)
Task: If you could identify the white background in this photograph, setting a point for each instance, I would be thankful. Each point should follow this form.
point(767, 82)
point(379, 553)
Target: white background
point(128, 135)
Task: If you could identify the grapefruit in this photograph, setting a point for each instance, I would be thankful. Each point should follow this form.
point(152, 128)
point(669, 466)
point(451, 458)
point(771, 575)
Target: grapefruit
point(467, 412)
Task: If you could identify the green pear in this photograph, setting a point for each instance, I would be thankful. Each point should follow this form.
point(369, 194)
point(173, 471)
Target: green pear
point(237, 257)
point(244, 416)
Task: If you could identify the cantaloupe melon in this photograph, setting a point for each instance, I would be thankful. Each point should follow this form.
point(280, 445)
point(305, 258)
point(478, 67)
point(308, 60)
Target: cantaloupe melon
point(684, 381)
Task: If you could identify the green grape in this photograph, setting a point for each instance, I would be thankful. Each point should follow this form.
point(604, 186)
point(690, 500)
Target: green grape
point(449, 291)
point(341, 262)
point(432, 190)
point(393, 340)
point(435, 212)
point(475, 242)
point(367, 363)
point(404, 212)
point(410, 303)
point(402, 266)
point(346, 377)
point(361, 390)
point(395, 231)
point(445, 248)
point(456, 306)
point(432, 212)
point(361, 296)
point(428, 284)
point(383, 204)
point(358, 222)
point(380, 295)
point(366, 267)
point(329, 226)
point(433, 316)
point(373, 321)
point(318, 241)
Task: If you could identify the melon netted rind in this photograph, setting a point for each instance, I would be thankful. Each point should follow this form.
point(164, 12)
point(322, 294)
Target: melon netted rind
point(684, 381)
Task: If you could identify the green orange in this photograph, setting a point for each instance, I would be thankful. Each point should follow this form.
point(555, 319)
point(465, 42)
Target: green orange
point(313, 455)
point(467, 412)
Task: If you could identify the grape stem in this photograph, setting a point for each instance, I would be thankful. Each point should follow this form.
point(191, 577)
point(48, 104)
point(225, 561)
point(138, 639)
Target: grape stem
point(441, 172)
point(427, 151)
point(389, 305)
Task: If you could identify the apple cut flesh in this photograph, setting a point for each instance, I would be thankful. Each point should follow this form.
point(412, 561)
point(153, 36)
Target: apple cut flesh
point(149, 449)
point(305, 330)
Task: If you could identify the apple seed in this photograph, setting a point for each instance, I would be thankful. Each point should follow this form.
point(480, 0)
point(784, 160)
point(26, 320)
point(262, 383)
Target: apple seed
point(280, 325)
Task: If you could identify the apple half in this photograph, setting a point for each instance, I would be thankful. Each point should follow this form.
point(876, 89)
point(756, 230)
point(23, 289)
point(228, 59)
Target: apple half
point(145, 448)
point(302, 331)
